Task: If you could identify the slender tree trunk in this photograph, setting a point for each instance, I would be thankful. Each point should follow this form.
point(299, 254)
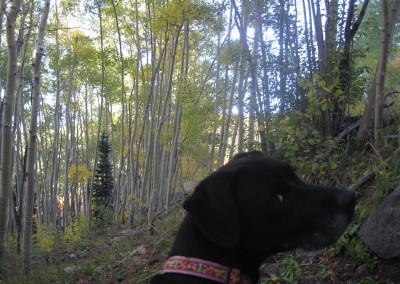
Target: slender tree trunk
point(233, 140)
point(340, 102)
point(87, 155)
point(7, 139)
point(282, 68)
point(74, 153)
point(226, 111)
point(242, 22)
point(308, 38)
point(121, 173)
point(174, 41)
point(19, 122)
point(173, 155)
point(227, 121)
point(263, 97)
point(224, 117)
point(30, 171)
point(374, 106)
point(325, 47)
point(134, 162)
point(2, 10)
point(68, 198)
point(217, 104)
point(56, 141)
point(327, 64)
point(367, 120)
point(388, 22)
point(319, 34)
point(156, 61)
point(381, 74)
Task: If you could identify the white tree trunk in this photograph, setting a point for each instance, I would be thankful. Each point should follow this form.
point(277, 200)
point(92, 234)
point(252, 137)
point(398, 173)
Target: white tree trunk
point(31, 160)
point(6, 137)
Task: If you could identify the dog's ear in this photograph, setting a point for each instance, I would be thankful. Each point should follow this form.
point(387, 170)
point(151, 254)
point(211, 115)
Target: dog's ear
point(214, 210)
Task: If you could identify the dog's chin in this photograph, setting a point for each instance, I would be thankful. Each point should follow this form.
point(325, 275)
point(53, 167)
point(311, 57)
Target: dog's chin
point(321, 239)
point(329, 233)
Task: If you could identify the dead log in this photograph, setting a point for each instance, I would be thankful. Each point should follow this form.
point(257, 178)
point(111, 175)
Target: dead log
point(338, 138)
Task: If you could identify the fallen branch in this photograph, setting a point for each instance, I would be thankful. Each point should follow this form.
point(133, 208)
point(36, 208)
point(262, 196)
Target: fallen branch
point(371, 175)
point(338, 138)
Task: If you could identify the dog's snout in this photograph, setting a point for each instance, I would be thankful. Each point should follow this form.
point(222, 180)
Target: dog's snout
point(346, 201)
point(347, 197)
point(342, 200)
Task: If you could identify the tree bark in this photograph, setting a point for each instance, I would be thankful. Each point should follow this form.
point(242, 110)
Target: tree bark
point(68, 203)
point(134, 164)
point(157, 172)
point(263, 99)
point(350, 31)
point(31, 160)
point(388, 22)
point(380, 80)
point(226, 117)
point(121, 173)
point(244, 61)
point(56, 141)
point(19, 128)
point(7, 139)
point(373, 110)
point(218, 100)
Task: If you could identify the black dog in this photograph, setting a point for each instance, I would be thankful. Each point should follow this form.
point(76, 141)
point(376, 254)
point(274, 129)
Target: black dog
point(250, 208)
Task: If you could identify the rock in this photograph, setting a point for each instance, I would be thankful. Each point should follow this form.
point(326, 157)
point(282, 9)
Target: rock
point(72, 268)
point(130, 232)
point(269, 269)
point(136, 260)
point(139, 250)
point(381, 231)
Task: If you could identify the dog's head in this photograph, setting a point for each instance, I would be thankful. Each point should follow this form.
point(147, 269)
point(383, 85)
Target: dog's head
point(258, 205)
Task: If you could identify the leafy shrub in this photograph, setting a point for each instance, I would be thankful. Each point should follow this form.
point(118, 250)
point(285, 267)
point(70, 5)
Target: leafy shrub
point(322, 271)
point(102, 215)
point(76, 231)
point(290, 271)
point(44, 239)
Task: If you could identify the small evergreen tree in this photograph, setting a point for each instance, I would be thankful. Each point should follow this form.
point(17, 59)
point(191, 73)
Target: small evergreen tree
point(103, 183)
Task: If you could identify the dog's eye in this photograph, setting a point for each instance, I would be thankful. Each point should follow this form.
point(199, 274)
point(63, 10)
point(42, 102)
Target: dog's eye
point(278, 200)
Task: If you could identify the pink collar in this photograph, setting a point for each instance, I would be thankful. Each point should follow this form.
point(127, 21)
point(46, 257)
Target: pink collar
point(205, 269)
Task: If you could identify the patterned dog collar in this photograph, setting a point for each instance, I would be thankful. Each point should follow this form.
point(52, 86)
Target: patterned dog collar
point(205, 269)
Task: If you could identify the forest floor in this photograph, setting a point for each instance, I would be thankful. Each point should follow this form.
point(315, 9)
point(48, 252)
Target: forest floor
point(134, 256)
